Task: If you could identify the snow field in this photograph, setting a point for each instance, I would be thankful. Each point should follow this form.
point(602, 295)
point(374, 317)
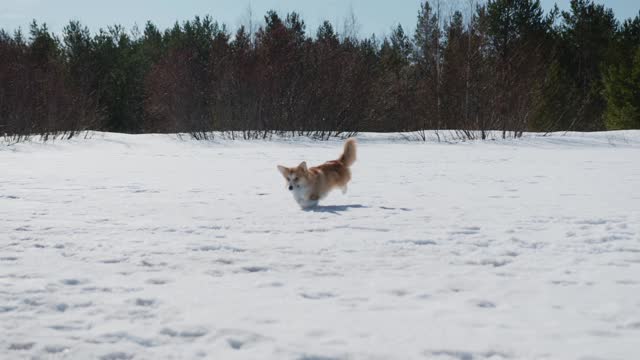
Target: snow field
point(149, 247)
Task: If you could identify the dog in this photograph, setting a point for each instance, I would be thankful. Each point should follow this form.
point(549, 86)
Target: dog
point(310, 185)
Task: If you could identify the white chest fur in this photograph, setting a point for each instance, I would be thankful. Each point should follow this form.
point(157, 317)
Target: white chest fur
point(301, 195)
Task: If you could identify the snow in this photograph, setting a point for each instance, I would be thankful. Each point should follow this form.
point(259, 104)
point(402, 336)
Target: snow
point(151, 247)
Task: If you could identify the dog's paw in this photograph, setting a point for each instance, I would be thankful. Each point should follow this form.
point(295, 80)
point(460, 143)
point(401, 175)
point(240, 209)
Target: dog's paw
point(308, 204)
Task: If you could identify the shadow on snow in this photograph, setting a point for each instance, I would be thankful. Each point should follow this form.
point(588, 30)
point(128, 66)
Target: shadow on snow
point(335, 209)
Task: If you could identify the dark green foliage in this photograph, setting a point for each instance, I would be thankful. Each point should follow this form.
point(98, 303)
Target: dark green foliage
point(622, 93)
point(517, 32)
point(584, 46)
point(622, 79)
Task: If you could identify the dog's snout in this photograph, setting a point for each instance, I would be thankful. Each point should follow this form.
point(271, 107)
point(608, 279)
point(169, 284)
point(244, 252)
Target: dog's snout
point(290, 187)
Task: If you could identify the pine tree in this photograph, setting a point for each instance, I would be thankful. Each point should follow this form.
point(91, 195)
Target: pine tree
point(622, 93)
point(44, 46)
point(517, 31)
point(455, 74)
point(326, 35)
point(588, 32)
point(428, 56)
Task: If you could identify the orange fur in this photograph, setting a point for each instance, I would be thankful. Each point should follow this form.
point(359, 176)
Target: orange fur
point(309, 185)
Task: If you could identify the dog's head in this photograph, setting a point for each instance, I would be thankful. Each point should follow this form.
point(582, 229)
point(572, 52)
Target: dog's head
point(296, 176)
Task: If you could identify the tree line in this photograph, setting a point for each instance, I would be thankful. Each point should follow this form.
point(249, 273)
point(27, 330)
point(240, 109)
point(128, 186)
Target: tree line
point(497, 65)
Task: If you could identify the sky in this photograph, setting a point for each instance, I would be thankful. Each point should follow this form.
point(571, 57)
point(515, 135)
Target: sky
point(373, 16)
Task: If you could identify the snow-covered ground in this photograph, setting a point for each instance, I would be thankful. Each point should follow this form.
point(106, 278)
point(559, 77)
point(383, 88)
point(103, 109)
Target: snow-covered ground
point(149, 247)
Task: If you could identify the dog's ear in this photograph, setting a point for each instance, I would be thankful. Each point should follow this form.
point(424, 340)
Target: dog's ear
point(283, 170)
point(303, 166)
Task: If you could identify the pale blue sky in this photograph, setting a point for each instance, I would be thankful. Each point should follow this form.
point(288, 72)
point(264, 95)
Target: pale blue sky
point(374, 16)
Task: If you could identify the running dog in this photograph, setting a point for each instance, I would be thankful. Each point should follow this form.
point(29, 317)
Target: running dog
point(310, 185)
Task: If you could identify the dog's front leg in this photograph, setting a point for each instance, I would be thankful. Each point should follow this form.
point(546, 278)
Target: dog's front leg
point(307, 204)
point(309, 201)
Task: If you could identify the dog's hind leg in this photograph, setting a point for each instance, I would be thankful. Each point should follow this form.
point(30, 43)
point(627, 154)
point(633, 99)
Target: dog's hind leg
point(344, 189)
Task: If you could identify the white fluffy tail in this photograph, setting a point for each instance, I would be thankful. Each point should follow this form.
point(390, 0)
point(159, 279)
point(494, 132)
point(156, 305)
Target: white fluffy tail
point(349, 154)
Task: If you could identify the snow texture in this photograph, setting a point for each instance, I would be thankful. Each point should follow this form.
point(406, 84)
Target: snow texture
point(150, 247)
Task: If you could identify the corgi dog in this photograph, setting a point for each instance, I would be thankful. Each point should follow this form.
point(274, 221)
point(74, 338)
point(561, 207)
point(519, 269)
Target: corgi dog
point(310, 185)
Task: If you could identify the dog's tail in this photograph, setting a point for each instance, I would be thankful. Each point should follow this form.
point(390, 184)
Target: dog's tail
point(349, 154)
